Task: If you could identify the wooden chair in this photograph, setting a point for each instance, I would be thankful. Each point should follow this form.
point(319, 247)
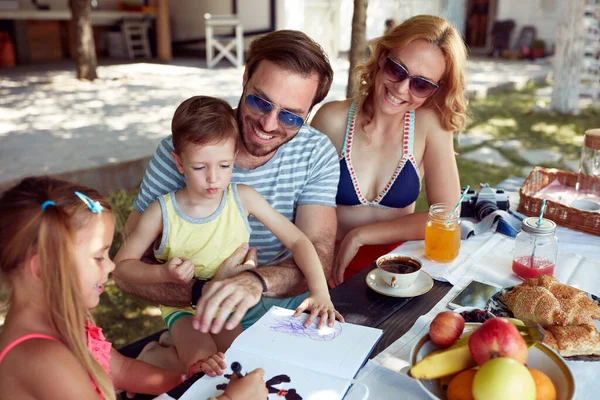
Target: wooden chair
point(224, 44)
point(135, 33)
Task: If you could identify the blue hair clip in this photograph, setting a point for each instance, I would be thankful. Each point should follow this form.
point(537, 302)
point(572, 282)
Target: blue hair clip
point(47, 203)
point(94, 206)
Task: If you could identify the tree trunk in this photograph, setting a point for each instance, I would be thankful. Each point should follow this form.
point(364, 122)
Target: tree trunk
point(568, 58)
point(358, 44)
point(85, 50)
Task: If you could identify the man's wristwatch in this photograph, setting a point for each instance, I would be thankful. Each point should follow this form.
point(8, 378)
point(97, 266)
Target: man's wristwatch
point(261, 279)
point(197, 291)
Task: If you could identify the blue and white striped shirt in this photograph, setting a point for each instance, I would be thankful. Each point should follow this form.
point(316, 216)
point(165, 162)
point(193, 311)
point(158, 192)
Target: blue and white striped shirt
point(304, 170)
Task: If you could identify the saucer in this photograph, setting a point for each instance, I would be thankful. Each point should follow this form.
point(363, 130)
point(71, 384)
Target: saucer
point(420, 286)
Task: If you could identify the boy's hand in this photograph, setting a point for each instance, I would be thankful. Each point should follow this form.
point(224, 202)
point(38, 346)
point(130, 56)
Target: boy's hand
point(178, 270)
point(319, 305)
point(211, 366)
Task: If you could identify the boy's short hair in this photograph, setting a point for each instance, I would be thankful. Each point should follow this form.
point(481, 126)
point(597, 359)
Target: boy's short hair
point(203, 120)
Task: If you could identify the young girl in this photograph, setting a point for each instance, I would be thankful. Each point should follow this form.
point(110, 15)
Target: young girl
point(54, 242)
point(199, 226)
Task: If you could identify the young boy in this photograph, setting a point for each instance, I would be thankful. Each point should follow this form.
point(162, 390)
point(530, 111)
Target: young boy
point(201, 225)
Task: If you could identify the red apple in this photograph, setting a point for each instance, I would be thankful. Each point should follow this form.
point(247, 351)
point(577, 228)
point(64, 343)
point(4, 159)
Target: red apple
point(446, 328)
point(497, 337)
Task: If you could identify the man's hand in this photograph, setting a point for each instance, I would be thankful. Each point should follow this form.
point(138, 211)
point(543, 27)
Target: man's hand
point(237, 293)
point(179, 270)
point(241, 260)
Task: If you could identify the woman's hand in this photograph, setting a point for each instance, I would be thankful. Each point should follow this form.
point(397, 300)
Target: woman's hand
point(346, 252)
point(211, 366)
point(250, 387)
point(319, 305)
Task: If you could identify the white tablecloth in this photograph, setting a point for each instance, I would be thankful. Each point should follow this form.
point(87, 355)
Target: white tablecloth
point(487, 258)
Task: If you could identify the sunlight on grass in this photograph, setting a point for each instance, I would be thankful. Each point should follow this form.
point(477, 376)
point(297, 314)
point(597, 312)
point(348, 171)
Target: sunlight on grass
point(504, 122)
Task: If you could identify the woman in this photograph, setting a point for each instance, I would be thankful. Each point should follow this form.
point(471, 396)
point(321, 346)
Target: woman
point(398, 128)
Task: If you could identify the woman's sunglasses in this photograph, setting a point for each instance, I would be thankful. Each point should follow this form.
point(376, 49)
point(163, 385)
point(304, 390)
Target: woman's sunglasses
point(286, 118)
point(420, 87)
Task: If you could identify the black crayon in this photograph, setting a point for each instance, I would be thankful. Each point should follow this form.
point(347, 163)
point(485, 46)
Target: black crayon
point(236, 367)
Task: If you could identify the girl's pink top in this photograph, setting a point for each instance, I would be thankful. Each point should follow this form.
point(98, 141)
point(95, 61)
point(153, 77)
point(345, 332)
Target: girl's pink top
point(96, 343)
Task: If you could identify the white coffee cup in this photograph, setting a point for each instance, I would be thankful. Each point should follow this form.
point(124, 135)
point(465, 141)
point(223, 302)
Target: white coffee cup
point(398, 271)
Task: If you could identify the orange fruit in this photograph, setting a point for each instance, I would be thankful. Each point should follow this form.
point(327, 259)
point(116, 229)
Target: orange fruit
point(544, 388)
point(460, 386)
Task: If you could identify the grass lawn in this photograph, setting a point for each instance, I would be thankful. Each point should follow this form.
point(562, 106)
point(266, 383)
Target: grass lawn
point(504, 116)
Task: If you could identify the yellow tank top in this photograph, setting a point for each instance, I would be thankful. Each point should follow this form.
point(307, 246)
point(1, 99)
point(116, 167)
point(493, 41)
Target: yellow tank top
point(206, 242)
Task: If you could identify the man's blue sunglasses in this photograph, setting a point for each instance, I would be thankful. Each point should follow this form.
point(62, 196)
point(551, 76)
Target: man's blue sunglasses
point(286, 118)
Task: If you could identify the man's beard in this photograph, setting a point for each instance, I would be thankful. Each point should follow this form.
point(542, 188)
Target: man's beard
point(251, 147)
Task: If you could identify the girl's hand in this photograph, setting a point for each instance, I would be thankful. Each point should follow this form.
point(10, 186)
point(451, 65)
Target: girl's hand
point(211, 366)
point(319, 305)
point(250, 387)
point(178, 270)
point(346, 252)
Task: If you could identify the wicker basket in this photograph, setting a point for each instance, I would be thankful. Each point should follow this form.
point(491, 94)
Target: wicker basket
point(539, 178)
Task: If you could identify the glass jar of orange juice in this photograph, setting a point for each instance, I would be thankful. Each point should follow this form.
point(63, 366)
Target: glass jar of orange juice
point(442, 233)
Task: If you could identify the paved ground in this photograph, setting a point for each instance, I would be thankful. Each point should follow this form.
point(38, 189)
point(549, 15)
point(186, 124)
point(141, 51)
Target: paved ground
point(54, 124)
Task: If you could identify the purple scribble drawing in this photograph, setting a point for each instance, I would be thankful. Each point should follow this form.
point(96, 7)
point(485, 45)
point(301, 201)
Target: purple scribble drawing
point(295, 327)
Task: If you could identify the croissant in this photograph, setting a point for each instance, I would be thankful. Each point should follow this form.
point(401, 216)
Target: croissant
point(535, 305)
point(582, 340)
point(546, 301)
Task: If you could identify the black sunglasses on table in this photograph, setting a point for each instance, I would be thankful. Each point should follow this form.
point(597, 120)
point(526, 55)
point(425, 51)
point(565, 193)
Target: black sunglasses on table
point(420, 87)
point(287, 118)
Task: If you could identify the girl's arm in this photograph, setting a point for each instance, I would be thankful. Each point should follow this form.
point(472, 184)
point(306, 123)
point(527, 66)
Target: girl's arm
point(136, 376)
point(303, 251)
point(128, 264)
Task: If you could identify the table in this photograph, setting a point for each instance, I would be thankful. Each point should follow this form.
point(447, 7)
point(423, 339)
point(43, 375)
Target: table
point(361, 305)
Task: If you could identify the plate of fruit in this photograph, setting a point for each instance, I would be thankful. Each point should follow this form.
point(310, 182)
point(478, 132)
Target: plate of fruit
point(498, 359)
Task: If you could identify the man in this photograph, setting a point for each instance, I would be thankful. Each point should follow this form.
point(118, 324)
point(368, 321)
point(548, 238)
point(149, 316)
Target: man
point(293, 166)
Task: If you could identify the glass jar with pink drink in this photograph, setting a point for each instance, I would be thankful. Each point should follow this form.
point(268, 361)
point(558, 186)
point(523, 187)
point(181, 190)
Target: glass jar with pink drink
point(536, 247)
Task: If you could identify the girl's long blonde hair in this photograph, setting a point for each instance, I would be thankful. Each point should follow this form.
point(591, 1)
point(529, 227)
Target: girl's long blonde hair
point(26, 230)
point(449, 100)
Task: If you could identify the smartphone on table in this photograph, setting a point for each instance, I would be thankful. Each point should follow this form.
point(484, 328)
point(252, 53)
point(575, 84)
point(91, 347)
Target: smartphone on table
point(475, 294)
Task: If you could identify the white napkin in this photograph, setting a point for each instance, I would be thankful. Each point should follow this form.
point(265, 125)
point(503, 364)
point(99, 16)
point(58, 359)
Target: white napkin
point(385, 384)
point(452, 271)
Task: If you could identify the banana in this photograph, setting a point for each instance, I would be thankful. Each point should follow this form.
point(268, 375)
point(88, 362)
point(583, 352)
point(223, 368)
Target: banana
point(516, 322)
point(443, 362)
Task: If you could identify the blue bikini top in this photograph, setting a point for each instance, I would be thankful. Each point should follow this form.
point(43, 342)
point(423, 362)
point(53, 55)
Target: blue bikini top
point(405, 184)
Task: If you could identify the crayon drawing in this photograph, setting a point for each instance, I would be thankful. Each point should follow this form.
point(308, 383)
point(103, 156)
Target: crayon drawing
point(295, 327)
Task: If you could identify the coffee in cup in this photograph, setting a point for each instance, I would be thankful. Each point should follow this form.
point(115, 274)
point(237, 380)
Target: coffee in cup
point(398, 271)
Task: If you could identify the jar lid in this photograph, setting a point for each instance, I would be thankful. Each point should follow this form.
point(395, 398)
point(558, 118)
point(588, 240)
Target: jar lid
point(530, 225)
point(592, 139)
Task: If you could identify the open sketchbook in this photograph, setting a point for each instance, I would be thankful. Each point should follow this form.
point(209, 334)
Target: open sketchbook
point(299, 363)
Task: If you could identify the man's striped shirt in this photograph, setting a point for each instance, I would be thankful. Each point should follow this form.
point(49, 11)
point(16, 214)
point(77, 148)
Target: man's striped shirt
point(304, 170)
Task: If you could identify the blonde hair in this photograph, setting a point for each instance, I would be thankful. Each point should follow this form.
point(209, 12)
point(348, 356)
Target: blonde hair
point(449, 99)
point(27, 230)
